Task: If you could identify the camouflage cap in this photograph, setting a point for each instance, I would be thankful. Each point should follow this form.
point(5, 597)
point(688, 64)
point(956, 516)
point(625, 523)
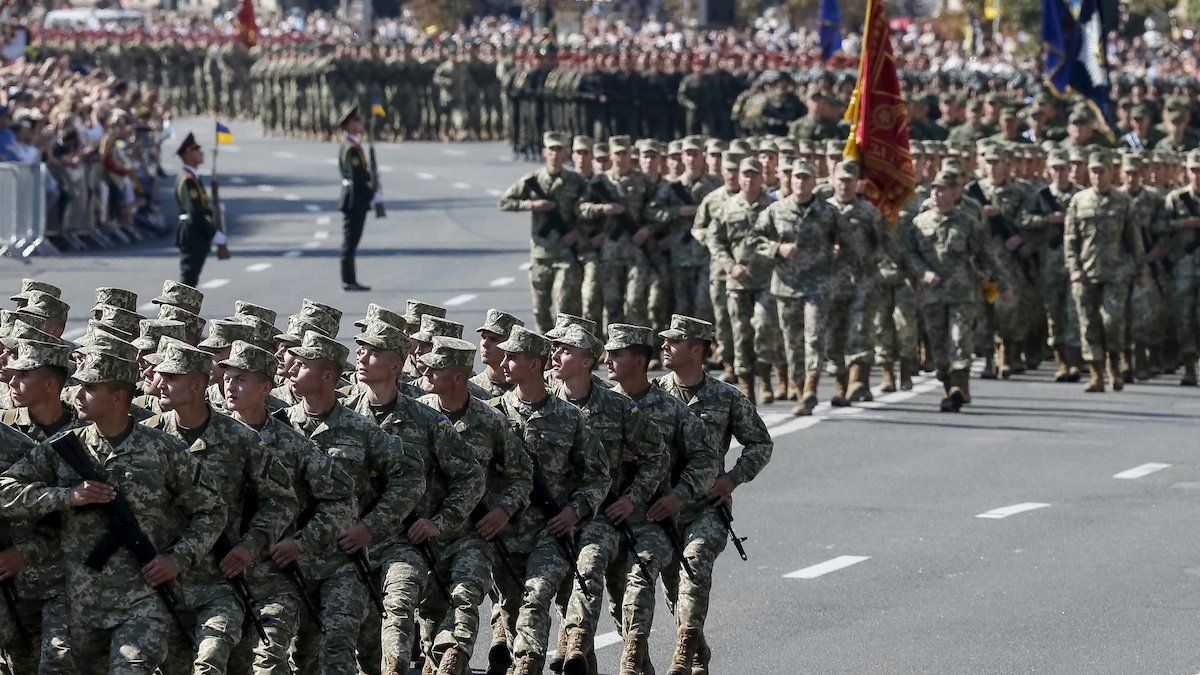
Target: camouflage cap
point(577, 336)
point(715, 146)
point(499, 322)
point(384, 336)
point(691, 143)
point(264, 333)
point(101, 341)
point(846, 169)
point(750, 164)
point(994, 152)
point(1076, 154)
point(192, 323)
point(312, 309)
point(1098, 158)
point(1057, 158)
point(619, 144)
point(1079, 116)
point(675, 147)
point(525, 341)
point(415, 309)
point(767, 145)
point(688, 328)
point(741, 147)
point(581, 143)
point(180, 295)
point(297, 327)
point(1131, 162)
point(787, 146)
point(245, 356)
point(223, 333)
point(834, 148)
point(378, 313)
point(803, 167)
point(730, 160)
point(449, 352)
point(600, 150)
point(243, 308)
point(104, 367)
point(34, 354)
point(647, 145)
point(564, 320)
point(28, 285)
point(554, 139)
point(945, 179)
point(432, 326)
point(153, 330)
point(46, 306)
point(318, 346)
point(624, 335)
point(117, 297)
point(176, 357)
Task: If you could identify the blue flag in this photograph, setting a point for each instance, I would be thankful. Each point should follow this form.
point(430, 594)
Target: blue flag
point(1076, 55)
point(830, 18)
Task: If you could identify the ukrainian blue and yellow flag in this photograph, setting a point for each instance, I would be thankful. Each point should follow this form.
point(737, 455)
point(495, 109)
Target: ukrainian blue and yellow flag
point(224, 135)
point(377, 109)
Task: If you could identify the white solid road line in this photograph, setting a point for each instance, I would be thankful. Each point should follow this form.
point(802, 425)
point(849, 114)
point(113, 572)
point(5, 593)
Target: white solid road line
point(1143, 470)
point(840, 562)
point(460, 299)
point(214, 283)
point(1006, 511)
point(602, 641)
point(312, 208)
point(258, 267)
point(453, 152)
point(501, 281)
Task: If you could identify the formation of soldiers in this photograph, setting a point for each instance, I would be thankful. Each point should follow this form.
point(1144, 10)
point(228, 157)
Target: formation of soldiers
point(184, 496)
point(1009, 251)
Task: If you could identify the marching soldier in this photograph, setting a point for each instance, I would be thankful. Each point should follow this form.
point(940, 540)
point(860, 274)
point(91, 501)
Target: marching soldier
point(497, 326)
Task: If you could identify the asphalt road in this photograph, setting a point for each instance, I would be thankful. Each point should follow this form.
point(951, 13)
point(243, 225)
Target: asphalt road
point(867, 549)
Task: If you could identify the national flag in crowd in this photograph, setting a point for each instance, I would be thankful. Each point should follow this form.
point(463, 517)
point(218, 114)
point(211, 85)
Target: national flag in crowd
point(1076, 61)
point(879, 120)
point(224, 135)
point(247, 26)
point(830, 19)
point(377, 109)
point(973, 36)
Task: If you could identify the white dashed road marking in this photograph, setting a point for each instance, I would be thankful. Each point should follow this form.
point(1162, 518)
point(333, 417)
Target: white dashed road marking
point(494, 192)
point(292, 254)
point(840, 562)
point(1143, 470)
point(501, 281)
point(602, 641)
point(524, 267)
point(258, 267)
point(1006, 511)
point(291, 197)
point(453, 152)
point(331, 160)
point(426, 176)
point(214, 283)
point(459, 185)
point(324, 220)
point(312, 244)
point(312, 208)
point(237, 180)
point(321, 234)
point(266, 188)
point(460, 299)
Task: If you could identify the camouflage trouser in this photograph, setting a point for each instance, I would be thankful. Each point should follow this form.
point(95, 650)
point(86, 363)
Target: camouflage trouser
point(507, 593)
point(629, 582)
point(217, 625)
point(1187, 306)
point(1145, 311)
point(691, 291)
point(950, 329)
point(755, 330)
point(626, 291)
point(723, 327)
point(1101, 309)
point(279, 612)
point(591, 289)
point(467, 567)
point(850, 335)
point(896, 323)
point(344, 604)
point(703, 540)
point(555, 288)
point(387, 644)
point(545, 570)
point(131, 642)
point(802, 322)
point(661, 298)
point(599, 546)
point(48, 653)
point(1062, 318)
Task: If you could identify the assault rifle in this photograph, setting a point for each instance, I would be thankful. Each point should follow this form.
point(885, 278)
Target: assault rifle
point(497, 545)
point(543, 498)
point(1002, 229)
point(12, 600)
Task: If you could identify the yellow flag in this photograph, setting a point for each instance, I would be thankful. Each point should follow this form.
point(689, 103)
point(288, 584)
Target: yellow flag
point(992, 9)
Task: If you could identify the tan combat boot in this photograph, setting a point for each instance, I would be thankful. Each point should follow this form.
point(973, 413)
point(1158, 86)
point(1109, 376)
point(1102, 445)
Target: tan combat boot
point(556, 662)
point(1095, 377)
point(426, 667)
point(728, 375)
point(499, 657)
point(703, 657)
point(887, 373)
point(578, 643)
point(908, 367)
point(685, 652)
point(808, 397)
point(1060, 371)
point(1114, 371)
point(1003, 361)
point(634, 654)
point(454, 662)
point(763, 372)
point(1189, 372)
point(528, 665)
point(859, 388)
point(839, 399)
point(782, 391)
point(745, 384)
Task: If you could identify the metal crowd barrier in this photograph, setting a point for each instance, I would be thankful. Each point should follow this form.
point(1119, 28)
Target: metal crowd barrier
point(23, 209)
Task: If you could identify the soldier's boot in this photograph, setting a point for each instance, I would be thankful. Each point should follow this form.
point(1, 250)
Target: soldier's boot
point(839, 399)
point(954, 394)
point(1015, 354)
point(1189, 372)
point(685, 652)
point(634, 654)
point(703, 657)
point(1114, 370)
point(728, 375)
point(1125, 366)
point(1141, 364)
point(500, 659)
point(1095, 377)
point(528, 665)
point(989, 368)
point(745, 384)
point(1060, 371)
point(808, 396)
point(887, 373)
point(454, 662)
point(1154, 359)
point(593, 664)
point(782, 391)
point(859, 389)
point(765, 395)
point(965, 385)
point(578, 642)
point(907, 369)
point(556, 663)
point(426, 668)
point(944, 405)
point(1004, 361)
point(1074, 364)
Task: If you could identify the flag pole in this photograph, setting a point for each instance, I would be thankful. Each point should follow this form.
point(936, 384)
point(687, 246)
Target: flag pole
point(218, 216)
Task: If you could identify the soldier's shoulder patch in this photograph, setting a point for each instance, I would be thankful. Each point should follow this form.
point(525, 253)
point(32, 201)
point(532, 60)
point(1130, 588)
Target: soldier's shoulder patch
point(633, 407)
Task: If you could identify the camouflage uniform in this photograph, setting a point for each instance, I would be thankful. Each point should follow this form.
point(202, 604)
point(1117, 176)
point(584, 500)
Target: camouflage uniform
point(689, 258)
point(1145, 309)
point(554, 273)
point(717, 280)
point(1053, 281)
point(850, 340)
point(1182, 204)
